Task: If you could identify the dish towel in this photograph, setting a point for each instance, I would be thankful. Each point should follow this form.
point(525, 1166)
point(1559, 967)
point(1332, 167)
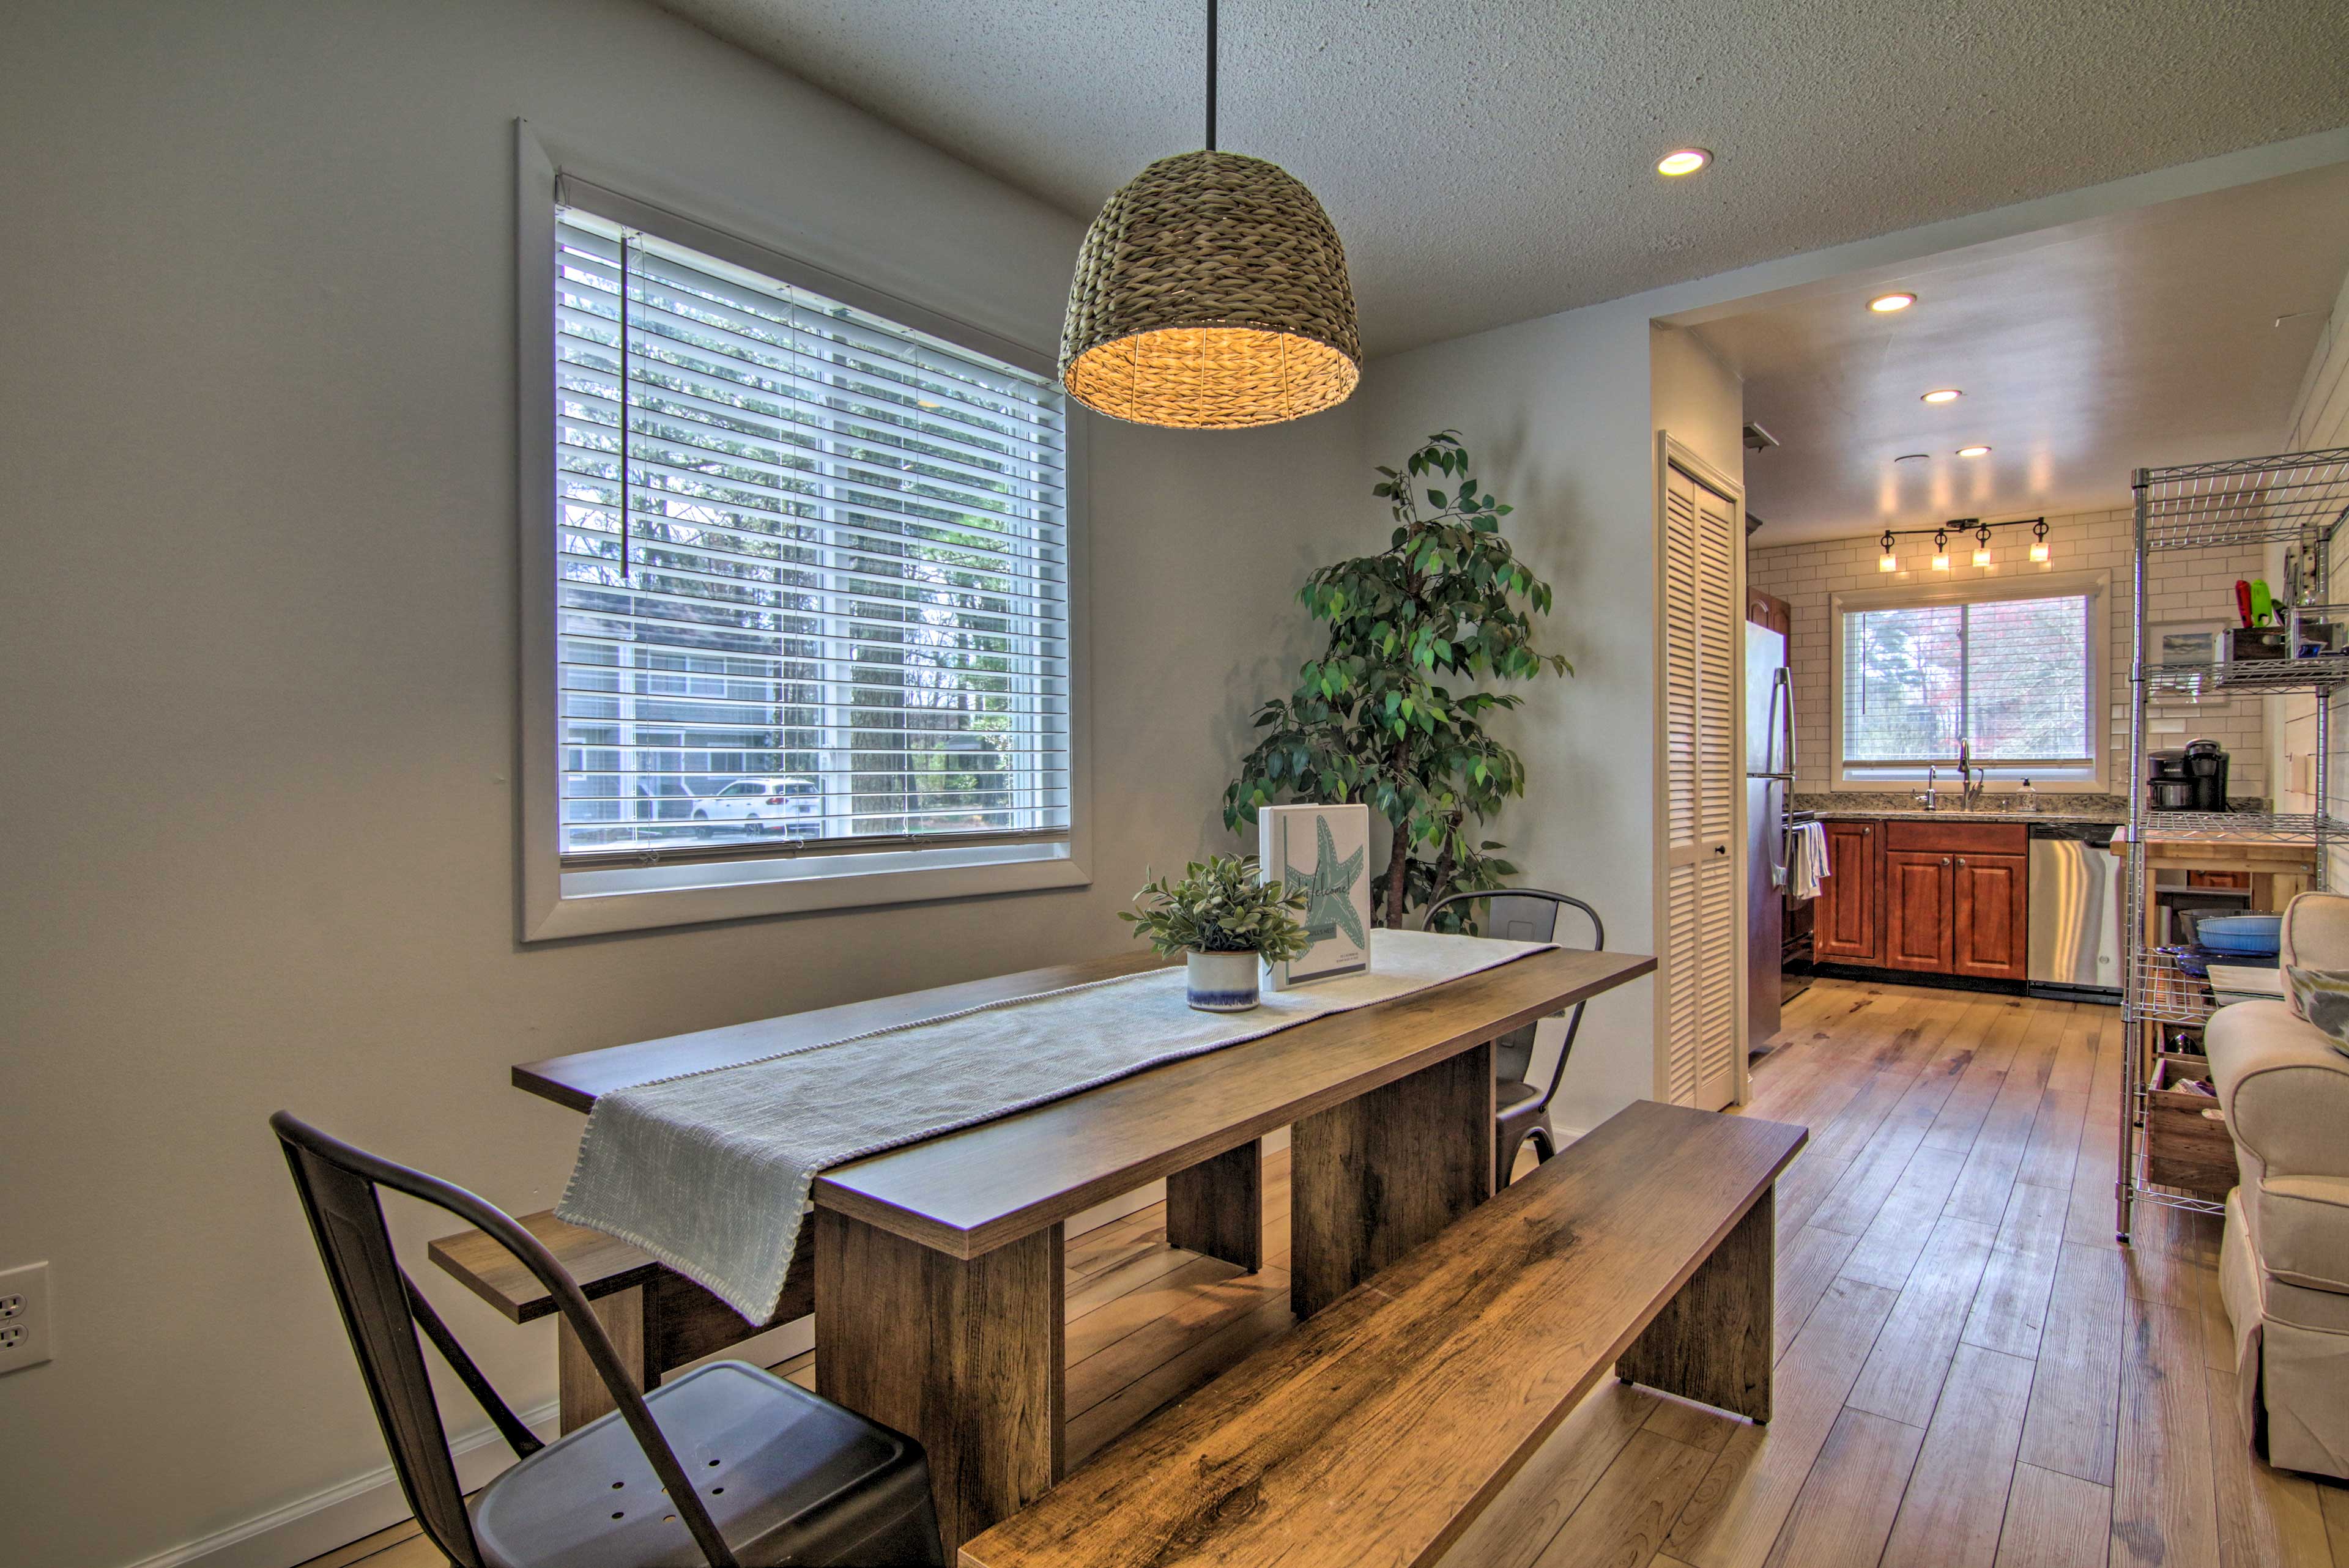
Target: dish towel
point(711, 1172)
point(1807, 859)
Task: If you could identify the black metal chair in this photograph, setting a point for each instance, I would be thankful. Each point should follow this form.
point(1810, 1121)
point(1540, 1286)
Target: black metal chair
point(1521, 1111)
point(769, 1474)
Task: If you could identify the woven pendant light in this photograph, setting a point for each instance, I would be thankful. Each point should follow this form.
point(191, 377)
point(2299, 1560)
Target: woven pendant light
point(1211, 294)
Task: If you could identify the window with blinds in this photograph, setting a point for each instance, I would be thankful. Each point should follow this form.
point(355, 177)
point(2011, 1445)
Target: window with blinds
point(2012, 676)
point(811, 569)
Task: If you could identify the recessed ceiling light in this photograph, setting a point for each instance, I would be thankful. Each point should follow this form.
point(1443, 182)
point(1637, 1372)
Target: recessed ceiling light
point(1911, 457)
point(1946, 395)
point(1885, 304)
point(1687, 161)
point(1973, 451)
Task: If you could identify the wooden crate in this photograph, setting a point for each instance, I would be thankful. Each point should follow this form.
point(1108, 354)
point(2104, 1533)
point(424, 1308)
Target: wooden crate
point(2186, 1141)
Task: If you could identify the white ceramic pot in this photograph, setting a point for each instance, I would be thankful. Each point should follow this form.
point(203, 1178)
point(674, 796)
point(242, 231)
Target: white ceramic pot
point(1221, 982)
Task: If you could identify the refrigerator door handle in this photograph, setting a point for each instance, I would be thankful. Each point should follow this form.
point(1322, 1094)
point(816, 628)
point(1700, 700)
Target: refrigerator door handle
point(1771, 729)
point(1778, 866)
point(1784, 681)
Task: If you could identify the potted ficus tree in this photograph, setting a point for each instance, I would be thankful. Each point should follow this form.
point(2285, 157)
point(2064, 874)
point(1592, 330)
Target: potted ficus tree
point(1225, 922)
point(1392, 713)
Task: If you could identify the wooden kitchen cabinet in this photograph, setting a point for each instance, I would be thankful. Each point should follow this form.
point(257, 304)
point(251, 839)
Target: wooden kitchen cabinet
point(1990, 900)
point(1847, 927)
point(1928, 897)
point(1919, 930)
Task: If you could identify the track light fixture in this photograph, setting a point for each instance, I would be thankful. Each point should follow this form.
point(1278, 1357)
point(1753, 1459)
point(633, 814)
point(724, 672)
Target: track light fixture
point(2040, 551)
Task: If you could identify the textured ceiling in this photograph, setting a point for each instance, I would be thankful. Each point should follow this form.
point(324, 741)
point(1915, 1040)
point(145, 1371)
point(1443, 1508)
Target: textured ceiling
point(2145, 338)
point(1493, 161)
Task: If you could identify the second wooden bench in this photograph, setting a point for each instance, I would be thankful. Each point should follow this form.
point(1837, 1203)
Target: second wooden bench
point(1382, 1428)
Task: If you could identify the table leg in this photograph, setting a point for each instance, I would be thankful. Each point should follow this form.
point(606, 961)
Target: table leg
point(1217, 1207)
point(1377, 1175)
point(963, 1355)
point(1713, 1340)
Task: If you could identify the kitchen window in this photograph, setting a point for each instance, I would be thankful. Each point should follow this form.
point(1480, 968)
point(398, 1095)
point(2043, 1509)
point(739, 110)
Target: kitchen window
point(2015, 670)
point(807, 588)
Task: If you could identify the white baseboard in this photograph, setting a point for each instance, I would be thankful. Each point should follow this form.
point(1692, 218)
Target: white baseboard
point(315, 1525)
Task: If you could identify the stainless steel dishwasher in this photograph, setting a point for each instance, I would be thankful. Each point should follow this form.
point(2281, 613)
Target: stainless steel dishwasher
point(2076, 909)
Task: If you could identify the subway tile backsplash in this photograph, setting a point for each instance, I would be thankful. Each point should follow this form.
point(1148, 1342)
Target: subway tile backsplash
point(2191, 585)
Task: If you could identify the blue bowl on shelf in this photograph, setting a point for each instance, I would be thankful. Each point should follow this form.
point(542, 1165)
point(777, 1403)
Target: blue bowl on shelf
point(2253, 934)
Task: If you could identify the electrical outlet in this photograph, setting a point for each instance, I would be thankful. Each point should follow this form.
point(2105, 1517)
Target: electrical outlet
point(23, 1316)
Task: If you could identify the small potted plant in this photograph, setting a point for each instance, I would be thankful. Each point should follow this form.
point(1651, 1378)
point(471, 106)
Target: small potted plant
point(1225, 922)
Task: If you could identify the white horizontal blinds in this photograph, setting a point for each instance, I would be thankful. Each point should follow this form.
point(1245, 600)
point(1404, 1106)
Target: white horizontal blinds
point(2027, 680)
point(2011, 675)
point(1903, 682)
point(823, 549)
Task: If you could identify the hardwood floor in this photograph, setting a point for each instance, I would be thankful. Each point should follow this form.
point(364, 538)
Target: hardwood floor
point(1971, 1372)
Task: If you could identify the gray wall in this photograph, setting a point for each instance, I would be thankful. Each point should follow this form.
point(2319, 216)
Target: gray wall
point(1556, 412)
point(257, 459)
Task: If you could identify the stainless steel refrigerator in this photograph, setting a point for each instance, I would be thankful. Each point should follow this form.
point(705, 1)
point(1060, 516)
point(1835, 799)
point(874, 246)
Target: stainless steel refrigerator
point(1769, 786)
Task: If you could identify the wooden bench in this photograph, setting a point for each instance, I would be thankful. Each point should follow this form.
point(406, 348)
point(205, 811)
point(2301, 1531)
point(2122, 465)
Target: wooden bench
point(660, 1320)
point(657, 1319)
point(1379, 1430)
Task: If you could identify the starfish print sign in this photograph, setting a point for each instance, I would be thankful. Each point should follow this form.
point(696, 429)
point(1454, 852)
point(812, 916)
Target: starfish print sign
point(1337, 913)
point(1329, 889)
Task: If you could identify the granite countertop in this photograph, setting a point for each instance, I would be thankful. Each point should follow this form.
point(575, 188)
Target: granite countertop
point(2002, 807)
point(1953, 814)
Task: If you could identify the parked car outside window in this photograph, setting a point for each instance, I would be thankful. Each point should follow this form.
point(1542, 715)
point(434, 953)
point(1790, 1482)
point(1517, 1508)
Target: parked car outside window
point(763, 805)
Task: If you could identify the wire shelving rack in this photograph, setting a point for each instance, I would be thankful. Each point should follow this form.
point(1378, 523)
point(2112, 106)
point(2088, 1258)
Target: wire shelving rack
point(2300, 500)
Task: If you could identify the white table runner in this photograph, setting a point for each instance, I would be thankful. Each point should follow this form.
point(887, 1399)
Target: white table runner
point(710, 1172)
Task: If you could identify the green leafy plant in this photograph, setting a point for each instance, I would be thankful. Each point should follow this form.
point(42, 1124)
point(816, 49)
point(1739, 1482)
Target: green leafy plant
point(1220, 906)
point(1390, 713)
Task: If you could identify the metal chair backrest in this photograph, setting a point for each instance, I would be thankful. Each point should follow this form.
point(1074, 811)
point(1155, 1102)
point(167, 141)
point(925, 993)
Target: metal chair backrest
point(382, 1311)
point(1524, 915)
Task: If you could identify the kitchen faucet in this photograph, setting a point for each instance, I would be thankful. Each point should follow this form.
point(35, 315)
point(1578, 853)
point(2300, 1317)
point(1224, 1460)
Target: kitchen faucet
point(1970, 781)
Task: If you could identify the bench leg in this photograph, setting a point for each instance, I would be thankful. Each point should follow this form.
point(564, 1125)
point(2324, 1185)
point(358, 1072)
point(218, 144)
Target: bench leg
point(1217, 1207)
point(579, 1392)
point(1377, 1175)
point(964, 1356)
point(1713, 1340)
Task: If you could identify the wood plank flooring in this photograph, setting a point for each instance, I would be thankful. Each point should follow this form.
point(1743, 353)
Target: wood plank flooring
point(1972, 1371)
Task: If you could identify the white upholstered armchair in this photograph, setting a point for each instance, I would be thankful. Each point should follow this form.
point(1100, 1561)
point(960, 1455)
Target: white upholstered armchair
point(2284, 1265)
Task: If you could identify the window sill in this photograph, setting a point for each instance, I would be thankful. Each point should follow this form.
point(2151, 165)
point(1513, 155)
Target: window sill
point(641, 898)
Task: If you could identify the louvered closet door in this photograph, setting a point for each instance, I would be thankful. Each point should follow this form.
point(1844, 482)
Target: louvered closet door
point(1702, 779)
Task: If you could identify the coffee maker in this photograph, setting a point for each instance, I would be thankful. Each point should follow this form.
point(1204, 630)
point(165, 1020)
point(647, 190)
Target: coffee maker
point(2190, 778)
point(2205, 765)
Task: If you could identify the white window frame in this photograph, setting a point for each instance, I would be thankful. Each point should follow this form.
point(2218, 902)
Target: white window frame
point(557, 902)
point(2096, 586)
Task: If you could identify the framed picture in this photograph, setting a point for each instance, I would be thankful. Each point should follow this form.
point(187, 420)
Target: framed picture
point(1324, 850)
point(2194, 645)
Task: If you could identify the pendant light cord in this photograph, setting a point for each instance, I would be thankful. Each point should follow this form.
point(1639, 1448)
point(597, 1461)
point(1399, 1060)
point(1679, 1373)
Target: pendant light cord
point(1211, 76)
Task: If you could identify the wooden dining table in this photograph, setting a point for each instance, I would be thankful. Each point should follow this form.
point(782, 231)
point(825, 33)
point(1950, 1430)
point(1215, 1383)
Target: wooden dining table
point(938, 1280)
